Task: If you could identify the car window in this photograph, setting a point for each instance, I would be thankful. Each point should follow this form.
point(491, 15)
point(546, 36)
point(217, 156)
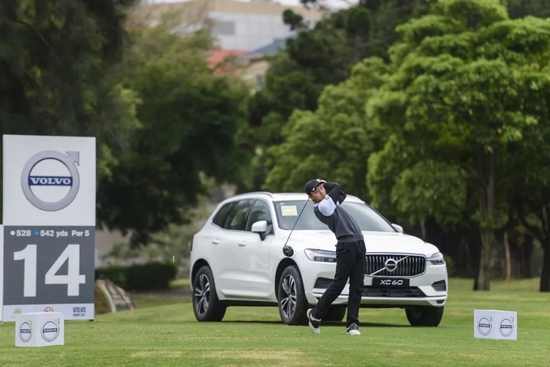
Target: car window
point(260, 211)
point(237, 216)
point(367, 218)
point(221, 215)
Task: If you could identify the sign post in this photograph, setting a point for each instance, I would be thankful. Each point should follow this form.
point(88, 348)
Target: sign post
point(49, 225)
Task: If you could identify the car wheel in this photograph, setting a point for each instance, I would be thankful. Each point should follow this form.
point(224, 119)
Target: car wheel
point(292, 300)
point(206, 305)
point(335, 313)
point(428, 316)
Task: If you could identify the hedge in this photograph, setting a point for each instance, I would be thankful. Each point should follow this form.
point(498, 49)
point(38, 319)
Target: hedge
point(145, 277)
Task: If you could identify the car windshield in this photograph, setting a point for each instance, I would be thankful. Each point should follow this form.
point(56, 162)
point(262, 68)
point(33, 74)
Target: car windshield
point(366, 217)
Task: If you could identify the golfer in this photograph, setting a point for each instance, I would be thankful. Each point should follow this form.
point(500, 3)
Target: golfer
point(350, 253)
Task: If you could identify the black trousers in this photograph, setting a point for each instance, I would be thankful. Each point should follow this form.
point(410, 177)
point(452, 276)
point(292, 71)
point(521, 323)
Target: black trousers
point(350, 263)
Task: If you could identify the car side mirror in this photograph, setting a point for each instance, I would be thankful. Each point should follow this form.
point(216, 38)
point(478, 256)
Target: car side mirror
point(260, 227)
point(397, 227)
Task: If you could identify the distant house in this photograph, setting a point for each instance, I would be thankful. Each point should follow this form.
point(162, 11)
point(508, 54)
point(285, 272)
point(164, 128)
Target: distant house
point(218, 60)
point(257, 62)
point(247, 31)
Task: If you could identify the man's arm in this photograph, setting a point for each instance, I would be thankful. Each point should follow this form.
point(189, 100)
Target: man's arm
point(335, 192)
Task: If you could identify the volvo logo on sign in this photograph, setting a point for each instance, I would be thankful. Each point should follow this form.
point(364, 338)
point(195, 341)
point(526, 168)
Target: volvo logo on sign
point(25, 332)
point(507, 327)
point(33, 176)
point(50, 330)
point(485, 325)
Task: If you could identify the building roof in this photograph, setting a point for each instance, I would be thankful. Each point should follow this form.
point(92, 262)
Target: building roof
point(217, 56)
point(266, 50)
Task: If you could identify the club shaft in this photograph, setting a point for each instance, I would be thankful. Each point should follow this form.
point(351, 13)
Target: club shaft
point(297, 219)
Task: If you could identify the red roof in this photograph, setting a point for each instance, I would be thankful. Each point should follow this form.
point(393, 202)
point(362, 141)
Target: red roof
point(219, 56)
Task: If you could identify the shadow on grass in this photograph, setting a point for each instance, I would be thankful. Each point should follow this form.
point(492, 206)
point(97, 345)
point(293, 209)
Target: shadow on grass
point(326, 323)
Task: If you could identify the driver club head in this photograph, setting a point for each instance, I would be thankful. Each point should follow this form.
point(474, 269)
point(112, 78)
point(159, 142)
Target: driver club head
point(288, 251)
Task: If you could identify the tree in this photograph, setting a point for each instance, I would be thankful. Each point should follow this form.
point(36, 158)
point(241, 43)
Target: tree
point(191, 120)
point(333, 141)
point(466, 82)
point(318, 57)
point(531, 199)
point(522, 8)
point(55, 73)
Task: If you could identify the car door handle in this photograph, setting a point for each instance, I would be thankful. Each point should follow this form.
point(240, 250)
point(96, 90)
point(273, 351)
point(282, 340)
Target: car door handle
point(216, 241)
point(242, 243)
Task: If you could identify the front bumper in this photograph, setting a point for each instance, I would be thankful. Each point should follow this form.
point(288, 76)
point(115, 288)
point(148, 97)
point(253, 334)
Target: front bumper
point(427, 289)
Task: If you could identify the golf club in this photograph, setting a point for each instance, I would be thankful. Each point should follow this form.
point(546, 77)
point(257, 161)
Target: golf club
point(288, 250)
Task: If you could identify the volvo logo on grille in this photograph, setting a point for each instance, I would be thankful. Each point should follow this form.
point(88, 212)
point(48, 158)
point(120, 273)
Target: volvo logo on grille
point(390, 265)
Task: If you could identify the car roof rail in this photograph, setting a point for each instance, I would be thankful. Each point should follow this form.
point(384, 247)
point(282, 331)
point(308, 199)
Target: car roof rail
point(261, 192)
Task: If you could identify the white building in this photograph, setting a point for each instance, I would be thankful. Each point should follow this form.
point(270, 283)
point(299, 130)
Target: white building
point(238, 25)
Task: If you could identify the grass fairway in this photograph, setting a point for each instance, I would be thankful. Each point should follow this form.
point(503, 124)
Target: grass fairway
point(163, 332)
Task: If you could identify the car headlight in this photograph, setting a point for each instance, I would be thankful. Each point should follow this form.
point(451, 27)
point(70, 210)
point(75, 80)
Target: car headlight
point(321, 255)
point(437, 259)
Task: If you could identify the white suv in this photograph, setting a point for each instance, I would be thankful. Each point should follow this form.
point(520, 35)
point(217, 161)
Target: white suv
point(237, 260)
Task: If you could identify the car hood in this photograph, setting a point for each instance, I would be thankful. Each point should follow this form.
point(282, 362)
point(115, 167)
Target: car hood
point(376, 242)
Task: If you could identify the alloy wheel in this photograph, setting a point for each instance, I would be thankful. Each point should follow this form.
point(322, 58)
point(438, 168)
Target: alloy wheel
point(288, 296)
point(202, 294)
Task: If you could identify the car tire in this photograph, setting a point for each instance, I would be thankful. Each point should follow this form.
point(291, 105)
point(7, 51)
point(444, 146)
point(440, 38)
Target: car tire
point(206, 305)
point(335, 314)
point(291, 297)
point(426, 316)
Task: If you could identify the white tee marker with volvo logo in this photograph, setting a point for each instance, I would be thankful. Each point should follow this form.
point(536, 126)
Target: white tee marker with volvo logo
point(39, 329)
point(46, 191)
point(495, 324)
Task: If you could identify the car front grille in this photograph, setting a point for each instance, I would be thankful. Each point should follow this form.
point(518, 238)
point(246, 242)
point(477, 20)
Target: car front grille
point(369, 291)
point(404, 265)
point(411, 292)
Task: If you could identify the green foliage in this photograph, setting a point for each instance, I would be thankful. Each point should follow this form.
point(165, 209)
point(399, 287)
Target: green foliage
point(191, 119)
point(316, 58)
point(453, 99)
point(151, 276)
point(168, 245)
point(56, 73)
point(163, 120)
point(140, 277)
point(450, 263)
point(430, 188)
point(332, 142)
point(115, 273)
point(522, 8)
point(469, 87)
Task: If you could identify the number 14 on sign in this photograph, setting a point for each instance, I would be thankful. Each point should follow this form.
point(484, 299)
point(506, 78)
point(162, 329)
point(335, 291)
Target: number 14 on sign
point(73, 279)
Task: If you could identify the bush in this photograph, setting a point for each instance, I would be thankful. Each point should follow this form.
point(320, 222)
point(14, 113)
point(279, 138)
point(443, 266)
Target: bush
point(450, 265)
point(114, 273)
point(151, 276)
